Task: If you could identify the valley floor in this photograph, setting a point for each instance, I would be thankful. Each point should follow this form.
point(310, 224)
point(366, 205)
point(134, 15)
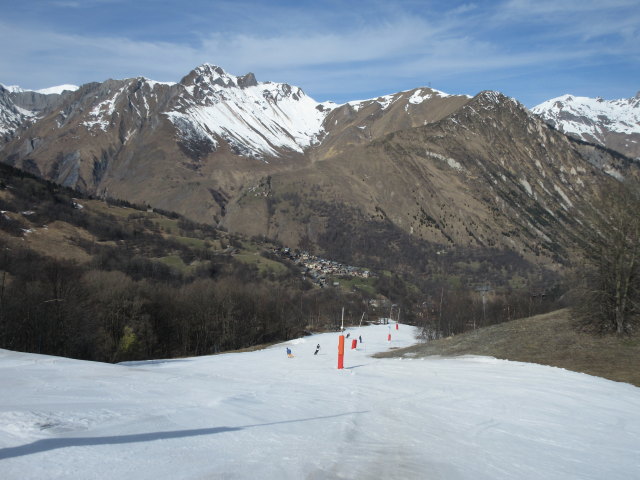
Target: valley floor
point(262, 415)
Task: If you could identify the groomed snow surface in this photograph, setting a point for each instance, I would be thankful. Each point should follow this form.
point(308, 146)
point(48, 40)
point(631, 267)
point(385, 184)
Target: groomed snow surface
point(261, 415)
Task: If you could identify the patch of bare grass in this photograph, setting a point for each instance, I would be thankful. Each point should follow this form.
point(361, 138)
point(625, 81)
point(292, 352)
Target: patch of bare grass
point(548, 339)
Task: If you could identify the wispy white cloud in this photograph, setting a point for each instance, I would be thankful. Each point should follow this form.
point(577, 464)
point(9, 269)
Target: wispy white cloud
point(464, 8)
point(81, 3)
point(336, 52)
point(577, 19)
point(391, 39)
point(537, 7)
point(42, 58)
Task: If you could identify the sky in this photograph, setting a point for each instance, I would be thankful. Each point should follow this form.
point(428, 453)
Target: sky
point(532, 50)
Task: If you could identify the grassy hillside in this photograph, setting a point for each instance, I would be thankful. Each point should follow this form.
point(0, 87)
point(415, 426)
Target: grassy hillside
point(548, 339)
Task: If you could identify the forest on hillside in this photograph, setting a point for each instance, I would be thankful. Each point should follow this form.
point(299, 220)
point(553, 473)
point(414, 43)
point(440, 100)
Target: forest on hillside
point(126, 304)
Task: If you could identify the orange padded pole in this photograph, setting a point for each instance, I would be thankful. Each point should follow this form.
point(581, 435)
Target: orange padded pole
point(340, 352)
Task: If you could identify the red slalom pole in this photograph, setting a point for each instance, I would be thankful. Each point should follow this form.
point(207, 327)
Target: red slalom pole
point(340, 352)
point(396, 325)
point(354, 344)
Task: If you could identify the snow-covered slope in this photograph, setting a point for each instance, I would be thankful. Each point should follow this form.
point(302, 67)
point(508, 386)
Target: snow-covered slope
point(263, 415)
point(255, 118)
point(58, 89)
point(595, 119)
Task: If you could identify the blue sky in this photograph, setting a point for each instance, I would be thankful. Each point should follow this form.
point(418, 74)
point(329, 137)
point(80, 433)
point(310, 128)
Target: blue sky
point(333, 50)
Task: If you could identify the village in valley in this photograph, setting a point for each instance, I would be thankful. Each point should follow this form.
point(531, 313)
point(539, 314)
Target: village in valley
point(319, 269)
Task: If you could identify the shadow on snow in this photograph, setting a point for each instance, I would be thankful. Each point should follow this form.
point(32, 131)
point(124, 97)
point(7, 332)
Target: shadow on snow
point(56, 443)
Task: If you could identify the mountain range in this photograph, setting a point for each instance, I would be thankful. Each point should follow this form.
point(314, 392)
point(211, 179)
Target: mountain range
point(611, 123)
point(365, 181)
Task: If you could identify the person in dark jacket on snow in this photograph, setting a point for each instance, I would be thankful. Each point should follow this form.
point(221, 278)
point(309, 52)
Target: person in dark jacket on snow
point(317, 350)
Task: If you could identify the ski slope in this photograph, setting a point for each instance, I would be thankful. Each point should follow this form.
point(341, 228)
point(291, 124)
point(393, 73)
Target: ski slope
point(261, 415)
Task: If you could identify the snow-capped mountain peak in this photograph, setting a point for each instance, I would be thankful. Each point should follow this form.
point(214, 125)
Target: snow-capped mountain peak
point(257, 119)
point(207, 74)
point(580, 114)
point(596, 120)
point(11, 88)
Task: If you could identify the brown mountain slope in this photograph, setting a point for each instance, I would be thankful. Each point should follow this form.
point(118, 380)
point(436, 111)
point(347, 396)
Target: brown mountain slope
point(489, 175)
point(360, 122)
point(135, 139)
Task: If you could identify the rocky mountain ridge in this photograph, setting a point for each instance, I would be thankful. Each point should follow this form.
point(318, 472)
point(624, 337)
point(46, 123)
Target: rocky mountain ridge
point(408, 174)
point(255, 119)
point(489, 176)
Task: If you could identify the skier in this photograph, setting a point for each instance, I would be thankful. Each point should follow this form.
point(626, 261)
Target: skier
point(360, 338)
point(317, 350)
point(348, 335)
point(289, 354)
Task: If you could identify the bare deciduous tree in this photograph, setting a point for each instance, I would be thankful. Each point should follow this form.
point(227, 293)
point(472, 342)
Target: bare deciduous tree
point(608, 267)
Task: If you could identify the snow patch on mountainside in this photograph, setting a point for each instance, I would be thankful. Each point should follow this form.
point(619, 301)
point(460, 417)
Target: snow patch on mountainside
point(417, 96)
point(135, 94)
point(9, 121)
point(420, 95)
point(11, 115)
point(448, 160)
point(100, 115)
point(153, 83)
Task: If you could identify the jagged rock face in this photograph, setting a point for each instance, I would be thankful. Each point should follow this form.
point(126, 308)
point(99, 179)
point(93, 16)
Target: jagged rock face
point(38, 102)
point(264, 158)
point(611, 123)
